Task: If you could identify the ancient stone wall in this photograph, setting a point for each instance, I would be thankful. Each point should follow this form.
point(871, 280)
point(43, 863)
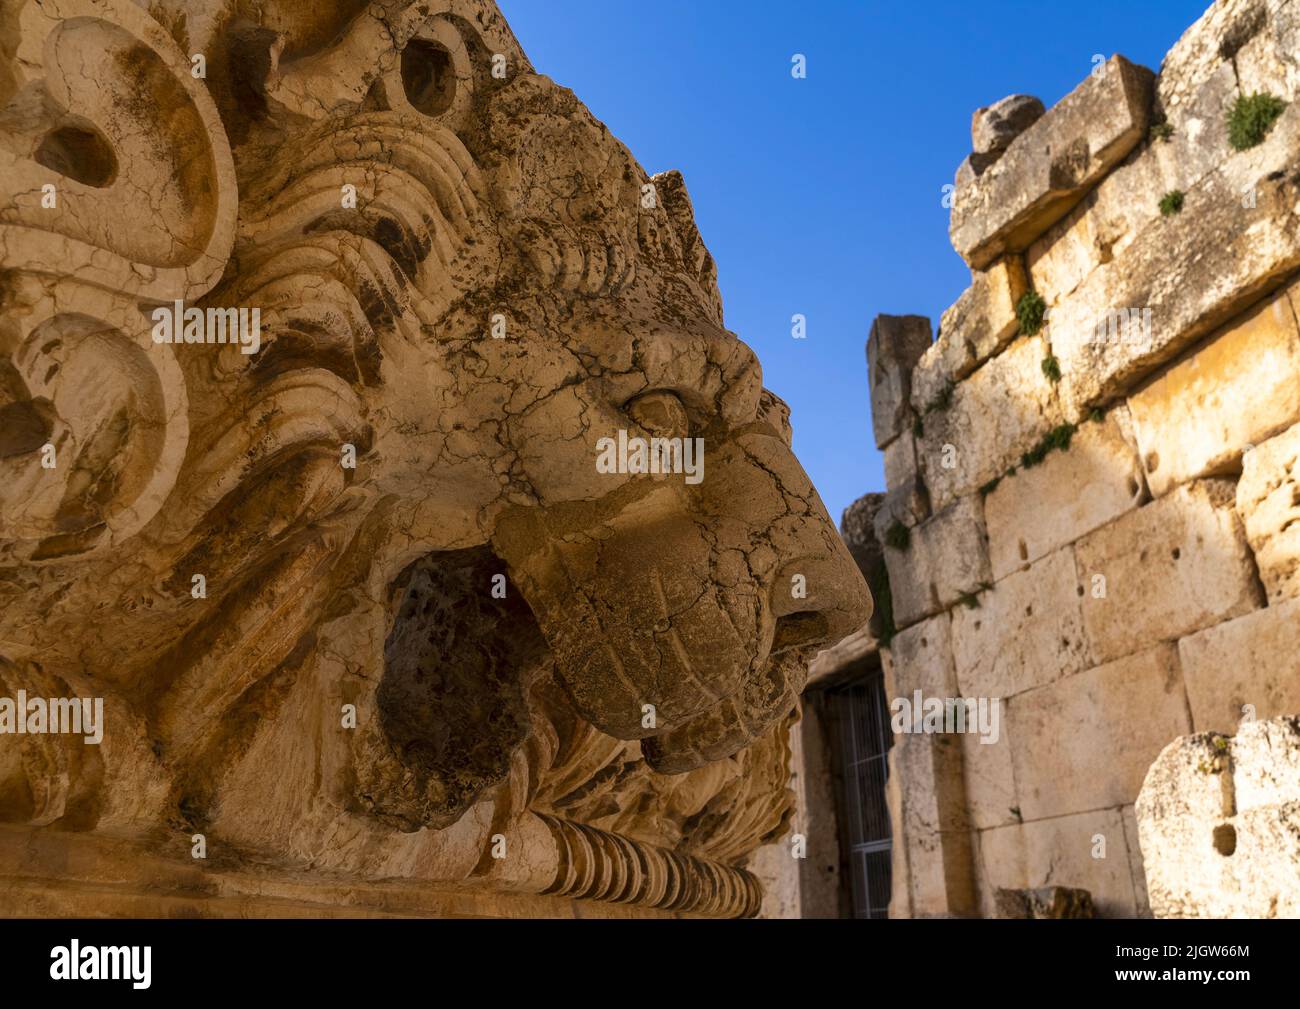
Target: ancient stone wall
point(1093, 506)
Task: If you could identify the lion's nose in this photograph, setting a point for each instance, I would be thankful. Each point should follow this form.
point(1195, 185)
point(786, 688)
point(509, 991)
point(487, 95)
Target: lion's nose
point(818, 600)
point(817, 593)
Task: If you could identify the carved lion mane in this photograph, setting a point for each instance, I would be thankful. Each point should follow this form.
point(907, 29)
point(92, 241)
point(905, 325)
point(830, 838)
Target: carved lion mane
point(361, 600)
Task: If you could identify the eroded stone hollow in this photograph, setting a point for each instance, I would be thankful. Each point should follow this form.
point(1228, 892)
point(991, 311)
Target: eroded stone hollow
point(80, 154)
point(452, 699)
point(428, 76)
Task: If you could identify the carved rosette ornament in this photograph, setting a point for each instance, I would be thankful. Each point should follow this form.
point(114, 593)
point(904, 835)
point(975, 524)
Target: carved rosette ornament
point(357, 600)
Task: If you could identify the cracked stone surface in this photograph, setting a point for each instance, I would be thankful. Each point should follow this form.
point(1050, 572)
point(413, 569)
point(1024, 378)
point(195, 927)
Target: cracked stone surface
point(464, 283)
point(993, 127)
point(1095, 516)
point(1219, 822)
point(1046, 169)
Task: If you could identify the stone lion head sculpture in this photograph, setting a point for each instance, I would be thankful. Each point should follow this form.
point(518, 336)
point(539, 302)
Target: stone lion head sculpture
point(467, 291)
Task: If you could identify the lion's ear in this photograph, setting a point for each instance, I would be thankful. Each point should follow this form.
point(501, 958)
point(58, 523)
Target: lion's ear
point(696, 258)
point(427, 58)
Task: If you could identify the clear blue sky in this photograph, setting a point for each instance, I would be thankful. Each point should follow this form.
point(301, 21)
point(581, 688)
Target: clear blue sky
point(822, 196)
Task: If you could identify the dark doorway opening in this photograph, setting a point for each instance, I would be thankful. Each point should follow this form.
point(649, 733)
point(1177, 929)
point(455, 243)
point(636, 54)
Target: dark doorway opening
point(860, 740)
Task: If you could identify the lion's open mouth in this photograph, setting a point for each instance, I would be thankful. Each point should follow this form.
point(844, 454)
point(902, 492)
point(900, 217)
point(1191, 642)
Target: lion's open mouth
point(798, 630)
point(458, 661)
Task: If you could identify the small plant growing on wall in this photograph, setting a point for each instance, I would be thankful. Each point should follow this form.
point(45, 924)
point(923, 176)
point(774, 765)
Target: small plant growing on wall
point(1251, 118)
point(1052, 368)
point(883, 617)
point(1171, 202)
point(1057, 439)
point(1030, 310)
point(1161, 131)
point(942, 399)
point(898, 536)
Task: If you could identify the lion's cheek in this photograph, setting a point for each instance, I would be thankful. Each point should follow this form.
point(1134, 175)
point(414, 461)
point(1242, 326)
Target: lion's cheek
point(643, 635)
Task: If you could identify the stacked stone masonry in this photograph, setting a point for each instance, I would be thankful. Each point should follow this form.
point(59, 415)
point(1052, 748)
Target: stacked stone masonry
point(1097, 520)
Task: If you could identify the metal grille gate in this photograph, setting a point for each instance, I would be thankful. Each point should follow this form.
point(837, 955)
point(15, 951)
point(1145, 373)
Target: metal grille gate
point(860, 714)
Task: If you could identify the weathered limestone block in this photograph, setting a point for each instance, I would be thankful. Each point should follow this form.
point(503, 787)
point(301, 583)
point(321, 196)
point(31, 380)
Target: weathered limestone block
point(359, 585)
point(1269, 61)
point(1198, 53)
point(907, 504)
point(1235, 238)
point(971, 168)
point(931, 768)
point(1168, 569)
point(1045, 902)
point(1268, 500)
point(1107, 220)
point(1001, 411)
point(941, 875)
point(1088, 235)
point(1256, 37)
point(930, 764)
point(1026, 631)
point(1051, 853)
point(900, 883)
point(1052, 164)
point(999, 864)
point(1057, 852)
point(895, 345)
point(993, 127)
point(993, 323)
point(1251, 661)
point(1238, 47)
point(978, 325)
point(989, 777)
point(1070, 493)
point(1086, 741)
point(1135, 862)
point(1198, 143)
point(900, 895)
point(822, 893)
point(1219, 821)
point(901, 465)
point(948, 360)
point(1061, 851)
point(946, 556)
point(921, 658)
point(1198, 415)
point(907, 500)
point(935, 820)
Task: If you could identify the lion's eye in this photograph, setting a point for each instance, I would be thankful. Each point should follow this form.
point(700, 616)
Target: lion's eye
point(428, 76)
point(661, 413)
